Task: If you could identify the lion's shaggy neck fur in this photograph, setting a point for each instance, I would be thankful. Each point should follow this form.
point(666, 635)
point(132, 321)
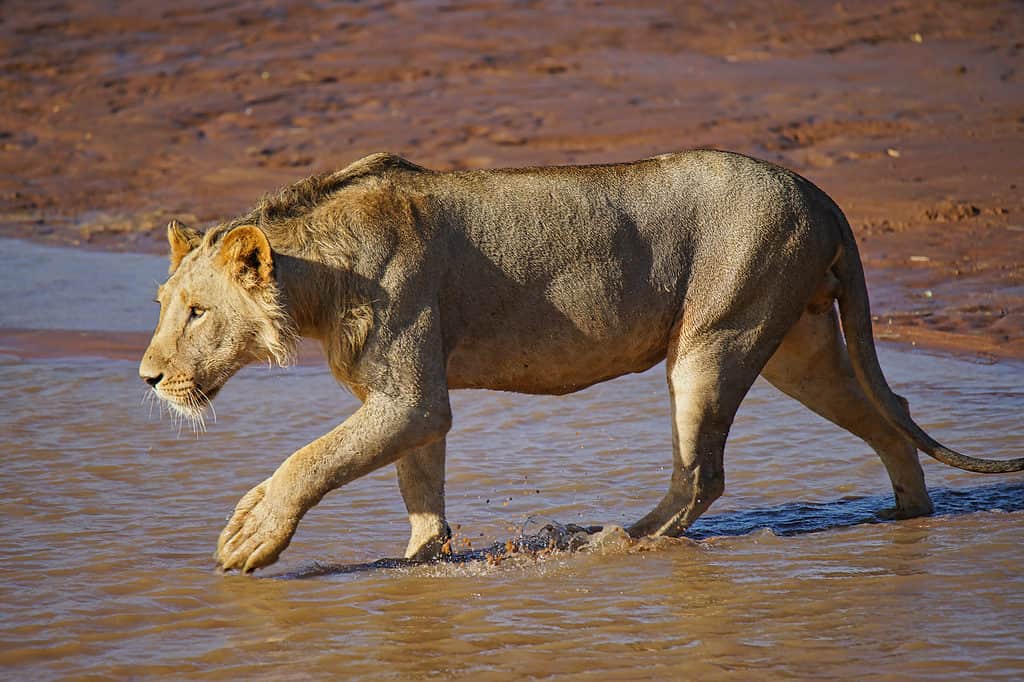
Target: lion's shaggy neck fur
point(277, 335)
point(315, 294)
point(289, 216)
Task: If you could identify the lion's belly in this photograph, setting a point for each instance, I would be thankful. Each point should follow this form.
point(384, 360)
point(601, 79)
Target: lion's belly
point(542, 373)
point(533, 353)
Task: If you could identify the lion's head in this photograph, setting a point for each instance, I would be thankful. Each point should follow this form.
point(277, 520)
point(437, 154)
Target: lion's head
point(220, 309)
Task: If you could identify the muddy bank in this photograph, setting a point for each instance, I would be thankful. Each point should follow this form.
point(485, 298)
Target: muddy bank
point(114, 119)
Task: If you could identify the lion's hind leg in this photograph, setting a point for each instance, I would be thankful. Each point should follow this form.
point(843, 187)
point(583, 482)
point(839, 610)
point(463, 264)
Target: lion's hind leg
point(708, 377)
point(812, 366)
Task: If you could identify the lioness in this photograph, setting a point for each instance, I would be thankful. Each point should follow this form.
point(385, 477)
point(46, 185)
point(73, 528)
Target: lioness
point(537, 280)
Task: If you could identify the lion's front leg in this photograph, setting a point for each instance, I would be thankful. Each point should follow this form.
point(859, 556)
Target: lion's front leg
point(421, 480)
point(378, 433)
point(405, 410)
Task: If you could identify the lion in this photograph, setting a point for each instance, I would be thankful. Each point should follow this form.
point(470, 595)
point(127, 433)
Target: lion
point(537, 280)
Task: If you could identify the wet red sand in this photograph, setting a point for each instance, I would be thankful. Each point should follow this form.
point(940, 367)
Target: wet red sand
point(910, 115)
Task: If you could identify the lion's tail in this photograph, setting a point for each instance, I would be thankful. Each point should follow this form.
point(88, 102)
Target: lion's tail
point(856, 321)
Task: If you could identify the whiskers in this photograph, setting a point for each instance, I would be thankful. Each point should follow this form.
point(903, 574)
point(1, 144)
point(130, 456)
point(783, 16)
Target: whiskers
point(185, 407)
point(205, 401)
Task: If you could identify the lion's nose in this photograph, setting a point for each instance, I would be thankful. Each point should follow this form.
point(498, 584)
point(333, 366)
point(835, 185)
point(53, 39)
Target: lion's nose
point(153, 380)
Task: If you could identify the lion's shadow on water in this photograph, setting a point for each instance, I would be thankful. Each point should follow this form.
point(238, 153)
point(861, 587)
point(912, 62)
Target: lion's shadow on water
point(798, 518)
point(792, 518)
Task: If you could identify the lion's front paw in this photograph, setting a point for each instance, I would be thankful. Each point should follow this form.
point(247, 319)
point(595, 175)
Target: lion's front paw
point(259, 530)
point(427, 544)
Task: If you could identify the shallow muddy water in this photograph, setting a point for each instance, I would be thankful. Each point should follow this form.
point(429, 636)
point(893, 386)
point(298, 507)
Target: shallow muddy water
point(110, 517)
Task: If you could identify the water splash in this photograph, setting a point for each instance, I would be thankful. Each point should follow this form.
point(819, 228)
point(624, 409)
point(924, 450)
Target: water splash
point(793, 518)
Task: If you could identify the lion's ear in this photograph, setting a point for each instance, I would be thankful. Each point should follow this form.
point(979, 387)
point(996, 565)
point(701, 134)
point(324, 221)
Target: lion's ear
point(182, 240)
point(246, 254)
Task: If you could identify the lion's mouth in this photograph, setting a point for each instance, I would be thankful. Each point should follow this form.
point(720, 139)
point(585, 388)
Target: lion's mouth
point(188, 403)
point(195, 397)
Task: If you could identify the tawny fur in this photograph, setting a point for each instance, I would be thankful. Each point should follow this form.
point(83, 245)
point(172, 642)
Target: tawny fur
point(542, 280)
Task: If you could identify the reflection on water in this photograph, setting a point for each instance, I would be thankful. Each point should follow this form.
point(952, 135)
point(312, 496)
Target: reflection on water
point(110, 520)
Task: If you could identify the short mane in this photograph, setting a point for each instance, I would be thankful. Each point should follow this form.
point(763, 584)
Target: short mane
point(300, 198)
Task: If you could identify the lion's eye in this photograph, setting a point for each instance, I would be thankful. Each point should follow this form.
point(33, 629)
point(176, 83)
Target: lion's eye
point(195, 312)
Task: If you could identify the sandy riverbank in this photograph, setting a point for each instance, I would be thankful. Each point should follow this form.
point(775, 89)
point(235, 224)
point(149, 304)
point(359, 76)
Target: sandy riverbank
point(911, 115)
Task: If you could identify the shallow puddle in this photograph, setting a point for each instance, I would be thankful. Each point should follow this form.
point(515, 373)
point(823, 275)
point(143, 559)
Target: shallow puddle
point(110, 516)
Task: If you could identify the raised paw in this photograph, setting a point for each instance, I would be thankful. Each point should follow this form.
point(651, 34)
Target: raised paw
point(259, 530)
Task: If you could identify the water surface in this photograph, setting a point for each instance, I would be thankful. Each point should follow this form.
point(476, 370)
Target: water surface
point(110, 516)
